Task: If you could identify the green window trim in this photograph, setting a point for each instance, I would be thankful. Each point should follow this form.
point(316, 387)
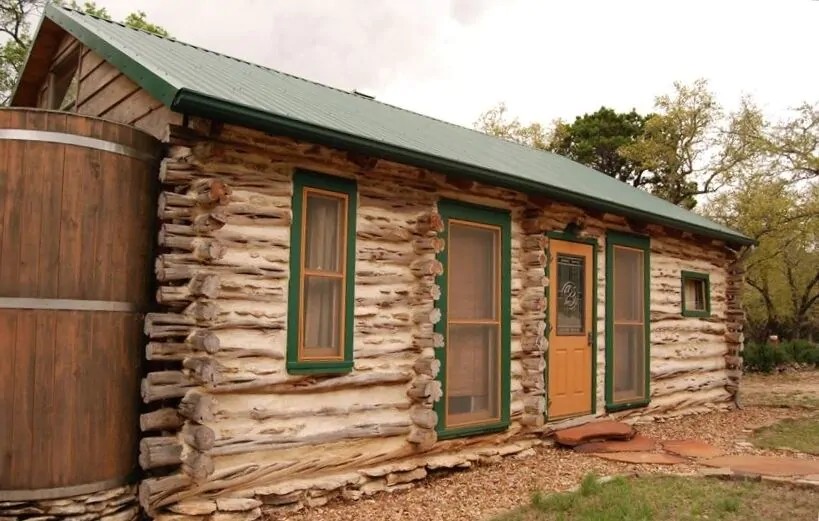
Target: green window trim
point(694, 275)
point(450, 209)
point(302, 180)
point(591, 241)
point(639, 242)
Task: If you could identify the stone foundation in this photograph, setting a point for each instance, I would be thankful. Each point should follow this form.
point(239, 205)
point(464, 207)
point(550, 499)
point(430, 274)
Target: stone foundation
point(118, 504)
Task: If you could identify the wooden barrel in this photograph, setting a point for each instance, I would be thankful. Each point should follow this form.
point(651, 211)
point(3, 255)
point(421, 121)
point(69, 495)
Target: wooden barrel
point(77, 206)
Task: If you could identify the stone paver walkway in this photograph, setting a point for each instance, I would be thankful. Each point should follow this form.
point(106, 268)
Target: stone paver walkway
point(617, 441)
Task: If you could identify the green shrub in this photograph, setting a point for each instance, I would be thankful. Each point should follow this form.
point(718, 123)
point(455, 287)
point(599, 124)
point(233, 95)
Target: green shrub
point(802, 352)
point(765, 358)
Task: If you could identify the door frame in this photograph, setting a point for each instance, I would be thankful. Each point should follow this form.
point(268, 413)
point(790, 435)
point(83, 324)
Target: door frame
point(591, 241)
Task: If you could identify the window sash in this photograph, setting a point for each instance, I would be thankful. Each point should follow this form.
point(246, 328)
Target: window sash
point(492, 412)
point(305, 273)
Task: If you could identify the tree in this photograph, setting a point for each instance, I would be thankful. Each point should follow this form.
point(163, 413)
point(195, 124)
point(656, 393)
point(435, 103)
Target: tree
point(782, 272)
point(595, 140)
point(690, 147)
point(15, 25)
point(495, 122)
point(795, 143)
point(138, 20)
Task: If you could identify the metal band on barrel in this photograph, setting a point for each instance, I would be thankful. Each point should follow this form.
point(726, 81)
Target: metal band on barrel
point(59, 304)
point(72, 139)
point(61, 492)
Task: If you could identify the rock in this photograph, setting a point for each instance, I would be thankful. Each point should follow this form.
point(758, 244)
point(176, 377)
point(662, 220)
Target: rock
point(313, 502)
point(406, 477)
point(237, 504)
point(351, 494)
point(638, 443)
point(652, 458)
point(194, 507)
point(691, 449)
point(67, 510)
point(524, 454)
point(603, 430)
point(716, 472)
point(109, 494)
point(178, 517)
point(250, 515)
point(128, 514)
point(371, 487)
point(765, 465)
point(283, 499)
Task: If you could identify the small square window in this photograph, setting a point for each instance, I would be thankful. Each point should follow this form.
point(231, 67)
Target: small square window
point(696, 294)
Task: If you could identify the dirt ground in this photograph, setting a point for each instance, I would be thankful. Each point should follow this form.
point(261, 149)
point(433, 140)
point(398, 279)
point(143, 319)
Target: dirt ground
point(482, 492)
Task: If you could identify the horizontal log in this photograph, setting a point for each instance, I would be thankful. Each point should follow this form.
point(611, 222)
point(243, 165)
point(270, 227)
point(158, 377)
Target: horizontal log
point(198, 466)
point(197, 407)
point(427, 366)
point(210, 191)
point(161, 385)
point(424, 438)
point(428, 245)
point(165, 419)
point(431, 222)
point(425, 267)
point(159, 451)
point(261, 442)
point(424, 417)
point(199, 437)
point(425, 390)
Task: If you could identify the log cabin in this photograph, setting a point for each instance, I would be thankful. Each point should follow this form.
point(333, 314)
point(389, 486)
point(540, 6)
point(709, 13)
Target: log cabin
point(349, 295)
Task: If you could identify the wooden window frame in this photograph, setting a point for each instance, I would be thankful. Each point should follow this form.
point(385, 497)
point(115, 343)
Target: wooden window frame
point(641, 243)
point(305, 182)
point(706, 280)
point(497, 219)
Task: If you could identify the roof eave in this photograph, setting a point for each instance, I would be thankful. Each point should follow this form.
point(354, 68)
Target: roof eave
point(194, 103)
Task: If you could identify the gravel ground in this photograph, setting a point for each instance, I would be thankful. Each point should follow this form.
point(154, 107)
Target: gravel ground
point(482, 492)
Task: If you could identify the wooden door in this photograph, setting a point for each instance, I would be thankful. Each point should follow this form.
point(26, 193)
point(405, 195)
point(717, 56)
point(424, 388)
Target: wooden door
point(571, 301)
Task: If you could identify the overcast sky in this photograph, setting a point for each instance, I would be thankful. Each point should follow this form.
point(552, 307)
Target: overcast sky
point(453, 59)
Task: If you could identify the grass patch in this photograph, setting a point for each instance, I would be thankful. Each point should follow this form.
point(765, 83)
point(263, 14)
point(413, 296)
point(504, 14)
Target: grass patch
point(785, 400)
point(662, 498)
point(801, 434)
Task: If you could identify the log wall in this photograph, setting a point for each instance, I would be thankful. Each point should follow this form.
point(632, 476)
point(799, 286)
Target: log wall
point(230, 424)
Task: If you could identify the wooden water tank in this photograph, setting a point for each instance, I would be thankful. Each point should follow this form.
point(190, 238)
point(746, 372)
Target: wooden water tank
point(77, 206)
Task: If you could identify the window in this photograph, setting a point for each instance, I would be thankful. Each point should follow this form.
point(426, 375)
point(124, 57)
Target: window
point(627, 321)
point(322, 272)
point(696, 294)
point(475, 320)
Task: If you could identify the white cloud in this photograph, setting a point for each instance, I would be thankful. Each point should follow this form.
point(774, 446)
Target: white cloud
point(452, 59)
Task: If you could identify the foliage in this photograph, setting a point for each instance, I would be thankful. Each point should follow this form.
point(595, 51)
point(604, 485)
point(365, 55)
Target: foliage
point(137, 20)
point(496, 122)
point(782, 271)
point(665, 498)
point(690, 146)
point(800, 434)
point(766, 357)
point(596, 139)
point(15, 24)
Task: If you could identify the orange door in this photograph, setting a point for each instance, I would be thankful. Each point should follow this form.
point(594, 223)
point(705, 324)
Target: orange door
point(571, 298)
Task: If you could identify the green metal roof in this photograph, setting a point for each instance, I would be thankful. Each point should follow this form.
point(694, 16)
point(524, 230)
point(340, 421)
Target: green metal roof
point(200, 82)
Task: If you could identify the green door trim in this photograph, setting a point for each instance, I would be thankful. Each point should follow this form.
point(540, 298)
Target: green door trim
point(637, 242)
